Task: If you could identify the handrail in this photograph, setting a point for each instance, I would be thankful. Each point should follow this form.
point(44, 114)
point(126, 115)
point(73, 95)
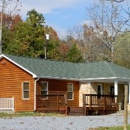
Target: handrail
point(101, 95)
point(99, 100)
point(50, 95)
point(53, 101)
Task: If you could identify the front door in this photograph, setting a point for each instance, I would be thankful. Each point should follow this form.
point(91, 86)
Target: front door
point(112, 94)
point(99, 90)
point(112, 90)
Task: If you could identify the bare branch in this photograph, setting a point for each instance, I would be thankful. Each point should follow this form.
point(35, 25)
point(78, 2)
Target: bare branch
point(119, 1)
point(11, 7)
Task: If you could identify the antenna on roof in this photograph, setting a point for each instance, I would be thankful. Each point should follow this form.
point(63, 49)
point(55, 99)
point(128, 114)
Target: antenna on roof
point(47, 39)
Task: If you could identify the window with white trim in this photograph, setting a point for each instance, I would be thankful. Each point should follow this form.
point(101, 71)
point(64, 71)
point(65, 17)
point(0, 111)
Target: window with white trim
point(70, 91)
point(25, 89)
point(44, 89)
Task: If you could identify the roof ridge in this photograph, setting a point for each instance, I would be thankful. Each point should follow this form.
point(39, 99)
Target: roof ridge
point(37, 58)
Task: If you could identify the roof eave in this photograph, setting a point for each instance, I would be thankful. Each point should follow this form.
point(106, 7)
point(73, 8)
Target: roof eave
point(60, 78)
point(120, 79)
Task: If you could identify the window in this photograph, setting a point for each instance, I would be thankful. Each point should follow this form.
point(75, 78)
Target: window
point(25, 90)
point(44, 88)
point(70, 93)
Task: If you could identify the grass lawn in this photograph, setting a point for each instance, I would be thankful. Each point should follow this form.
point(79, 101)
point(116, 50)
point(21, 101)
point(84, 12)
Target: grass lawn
point(110, 128)
point(2, 115)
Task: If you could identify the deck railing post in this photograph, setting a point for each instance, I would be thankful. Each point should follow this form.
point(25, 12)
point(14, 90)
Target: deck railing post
point(104, 103)
point(90, 101)
point(84, 103)
point(57, 102)
point(66, 106)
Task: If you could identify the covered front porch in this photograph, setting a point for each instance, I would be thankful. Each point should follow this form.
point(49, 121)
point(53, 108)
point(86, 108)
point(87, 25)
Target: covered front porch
point(93, 104)
point(88, 98)
point(112, 88)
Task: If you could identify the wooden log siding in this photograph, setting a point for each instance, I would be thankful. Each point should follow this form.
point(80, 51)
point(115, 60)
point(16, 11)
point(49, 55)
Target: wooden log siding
point(61, 86)
point(11, 79)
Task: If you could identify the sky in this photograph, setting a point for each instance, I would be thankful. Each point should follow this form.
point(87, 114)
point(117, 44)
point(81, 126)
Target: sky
point(61, 15)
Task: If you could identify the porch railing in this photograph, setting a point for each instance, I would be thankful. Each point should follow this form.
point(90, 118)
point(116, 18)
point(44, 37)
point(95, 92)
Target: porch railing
point(104, 102)
point(52, 102)
point(7, 103)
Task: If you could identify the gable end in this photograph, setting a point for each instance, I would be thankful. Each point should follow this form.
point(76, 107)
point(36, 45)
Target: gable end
point(3, 56)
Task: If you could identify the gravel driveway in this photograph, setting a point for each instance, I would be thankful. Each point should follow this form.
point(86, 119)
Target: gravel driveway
point(61, 123)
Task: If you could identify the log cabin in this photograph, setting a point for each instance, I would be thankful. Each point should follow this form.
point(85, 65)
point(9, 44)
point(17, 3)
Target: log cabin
point(33, 84)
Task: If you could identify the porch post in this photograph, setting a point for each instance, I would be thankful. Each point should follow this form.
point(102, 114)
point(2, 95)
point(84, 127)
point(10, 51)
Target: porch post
point(116, 90)
point(85, 88)
point(129, 93)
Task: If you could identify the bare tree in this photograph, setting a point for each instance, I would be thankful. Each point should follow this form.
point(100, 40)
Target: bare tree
point(91, 47)
point(109, 19)
point(9, 8)
point(75, 35)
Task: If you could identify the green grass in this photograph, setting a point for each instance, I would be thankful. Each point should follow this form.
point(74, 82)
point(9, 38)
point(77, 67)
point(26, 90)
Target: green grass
point(3, 115)
point(110, 128)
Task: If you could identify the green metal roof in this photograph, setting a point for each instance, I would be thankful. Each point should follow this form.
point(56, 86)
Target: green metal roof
point(67, 70)
point(46, 68)
point(102, 69)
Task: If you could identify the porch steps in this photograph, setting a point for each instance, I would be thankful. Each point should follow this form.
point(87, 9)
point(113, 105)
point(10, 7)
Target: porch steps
point(75, 114)
point(75, 111)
